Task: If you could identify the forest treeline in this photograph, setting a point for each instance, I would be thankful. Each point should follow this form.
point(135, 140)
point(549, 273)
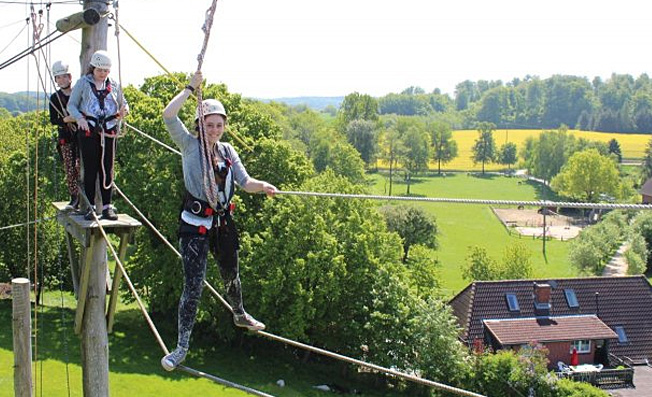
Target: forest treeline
point(621, 103)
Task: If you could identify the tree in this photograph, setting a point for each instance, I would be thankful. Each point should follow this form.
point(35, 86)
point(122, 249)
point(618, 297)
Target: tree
point(416, 155)
point(552, 150)
point(646, 168)
point(357, 106)
point(587, 176)
point(507, 154)
point(484, 149)
point(413, 224)
point(516, 263)
point(362, 135)
point(614, 148)
point(479, 266)
point(445, 147)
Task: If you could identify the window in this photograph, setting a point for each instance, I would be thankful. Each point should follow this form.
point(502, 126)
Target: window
point(582, 346)
point(571, 298)
point(512, 302)
point(622, 336)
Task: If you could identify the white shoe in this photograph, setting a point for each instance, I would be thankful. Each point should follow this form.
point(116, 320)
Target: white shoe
point(172, 360)
point(245, 320)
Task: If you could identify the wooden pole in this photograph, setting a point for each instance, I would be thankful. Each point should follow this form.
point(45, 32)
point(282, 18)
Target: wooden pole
point(93, 37)
point(94, 338)
point(22, 337)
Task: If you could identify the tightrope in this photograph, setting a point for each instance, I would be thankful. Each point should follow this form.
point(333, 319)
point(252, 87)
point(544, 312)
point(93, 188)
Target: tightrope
point(540, 203)
point(304, 346)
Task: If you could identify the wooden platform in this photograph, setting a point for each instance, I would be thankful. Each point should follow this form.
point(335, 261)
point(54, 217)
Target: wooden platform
point(81, 229)
point(92, 242)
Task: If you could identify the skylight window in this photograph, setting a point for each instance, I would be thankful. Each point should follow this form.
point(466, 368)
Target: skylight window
point(571, 298)
point(622, 336)
point(512, 302)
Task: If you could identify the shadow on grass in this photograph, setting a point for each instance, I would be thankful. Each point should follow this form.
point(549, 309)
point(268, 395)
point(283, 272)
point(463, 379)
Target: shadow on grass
point(543, 192)
point(259, 363)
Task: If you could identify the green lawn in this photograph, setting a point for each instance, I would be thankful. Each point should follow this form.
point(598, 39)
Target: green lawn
point(134, 360)
point(465, 225)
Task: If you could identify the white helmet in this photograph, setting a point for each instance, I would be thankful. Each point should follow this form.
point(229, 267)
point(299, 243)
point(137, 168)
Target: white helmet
point(211, 106)
point(59, 68)
point(101, 59)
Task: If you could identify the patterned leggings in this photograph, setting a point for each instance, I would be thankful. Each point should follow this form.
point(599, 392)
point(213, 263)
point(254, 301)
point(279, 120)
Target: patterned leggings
point(71, 166)
point(194, 250)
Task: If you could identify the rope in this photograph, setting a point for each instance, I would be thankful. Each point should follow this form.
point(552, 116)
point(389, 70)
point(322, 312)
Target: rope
point(27, 223)
point(179, 84)
point(121, 100)
point(152, 327)
point(540, 203)
point(36, 32)
point(299, 344)
point(205, 152)
point(173, 150)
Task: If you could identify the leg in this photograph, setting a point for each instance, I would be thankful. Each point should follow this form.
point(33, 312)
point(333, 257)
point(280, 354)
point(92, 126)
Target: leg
point(194, 250)
point(225, 252)
point(70, 167)
point(90, 154)
point(107, 170)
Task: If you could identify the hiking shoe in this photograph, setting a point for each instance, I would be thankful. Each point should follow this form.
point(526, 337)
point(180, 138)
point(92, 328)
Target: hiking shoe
point(89, 215)
point(73, 204)
point(172, 360)
point(109, 214)
point(245, 320)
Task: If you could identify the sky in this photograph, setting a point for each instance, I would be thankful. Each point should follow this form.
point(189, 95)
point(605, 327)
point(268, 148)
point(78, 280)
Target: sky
point(289, 48)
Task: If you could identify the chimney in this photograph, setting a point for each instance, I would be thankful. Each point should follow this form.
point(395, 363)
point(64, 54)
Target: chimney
point(542, 299)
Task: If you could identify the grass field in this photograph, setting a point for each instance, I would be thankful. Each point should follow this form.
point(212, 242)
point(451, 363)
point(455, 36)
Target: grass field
point(464, 225)
point(134, 357)
point(632, 145)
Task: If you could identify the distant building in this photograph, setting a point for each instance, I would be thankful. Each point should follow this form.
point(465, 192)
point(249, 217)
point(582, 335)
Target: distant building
point(646, 191)
point(596, 316)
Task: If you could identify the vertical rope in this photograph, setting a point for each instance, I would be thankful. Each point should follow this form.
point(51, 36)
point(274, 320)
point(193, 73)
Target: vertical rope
point(206, 152)
point(121, 99)
point(37, 28)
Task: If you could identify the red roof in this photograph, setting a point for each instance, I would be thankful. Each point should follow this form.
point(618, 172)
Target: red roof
point(621, 301)
point(548, 329)
point(646, 189)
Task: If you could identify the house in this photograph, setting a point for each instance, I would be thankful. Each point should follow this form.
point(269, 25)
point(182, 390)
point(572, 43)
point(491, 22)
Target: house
point(646, 192)
point(597, 316)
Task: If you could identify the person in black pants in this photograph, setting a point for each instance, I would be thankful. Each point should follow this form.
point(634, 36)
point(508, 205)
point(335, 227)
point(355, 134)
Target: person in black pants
point(205, 226)
point(67, 139)
point(97, 104)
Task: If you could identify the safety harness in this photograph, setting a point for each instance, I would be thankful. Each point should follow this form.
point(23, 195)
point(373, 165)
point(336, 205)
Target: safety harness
point(102, 120)
point(222, 215)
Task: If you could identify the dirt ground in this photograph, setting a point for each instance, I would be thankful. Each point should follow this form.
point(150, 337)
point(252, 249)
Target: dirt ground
point(530, 223)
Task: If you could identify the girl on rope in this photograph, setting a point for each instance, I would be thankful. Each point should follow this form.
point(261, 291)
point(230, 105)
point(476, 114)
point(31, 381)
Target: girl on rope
point(203, 227)
point(67, 139)
point(97, 104)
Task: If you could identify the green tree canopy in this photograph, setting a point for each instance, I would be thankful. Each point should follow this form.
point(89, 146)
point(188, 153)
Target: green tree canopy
point(587, 176)
point(444, 146)
point(413, 224)
point(484, 148)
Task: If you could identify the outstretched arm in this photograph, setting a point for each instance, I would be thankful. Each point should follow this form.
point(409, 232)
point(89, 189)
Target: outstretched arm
point(172, 109)
point(255, 186)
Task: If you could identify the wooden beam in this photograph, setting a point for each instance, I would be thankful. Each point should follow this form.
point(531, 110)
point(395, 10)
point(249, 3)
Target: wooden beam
point(74, 268)
point(117, 277)
point(22, 329)
point(80, 20)
point(83, 284)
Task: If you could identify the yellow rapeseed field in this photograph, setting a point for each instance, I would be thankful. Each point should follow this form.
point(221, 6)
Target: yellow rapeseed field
point(632, 145)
